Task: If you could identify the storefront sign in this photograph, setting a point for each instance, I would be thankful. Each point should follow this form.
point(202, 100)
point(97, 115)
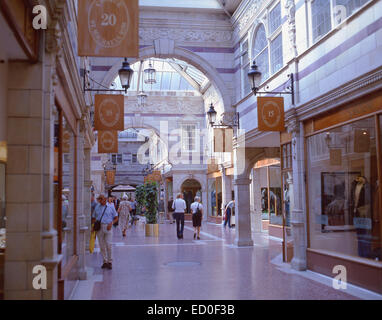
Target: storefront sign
point(110, 177)
point(108, 28)
point(107, 142)
point(270, 114)
point(223, 140)
point(109, 112)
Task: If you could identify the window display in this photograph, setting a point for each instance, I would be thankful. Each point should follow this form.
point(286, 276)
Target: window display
point(344, 213)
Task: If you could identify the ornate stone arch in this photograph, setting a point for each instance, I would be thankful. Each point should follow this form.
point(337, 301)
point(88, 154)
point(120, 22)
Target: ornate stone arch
point(187, 56)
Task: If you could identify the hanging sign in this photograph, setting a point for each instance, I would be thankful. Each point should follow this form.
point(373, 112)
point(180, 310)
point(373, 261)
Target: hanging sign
point(223, 140)
point(110, 177)
point(107, 142)
point(108, 28)
point(109, 112)
point(270, 114)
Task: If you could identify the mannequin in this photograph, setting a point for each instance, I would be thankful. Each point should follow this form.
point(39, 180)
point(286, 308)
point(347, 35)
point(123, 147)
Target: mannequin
point(361, 210)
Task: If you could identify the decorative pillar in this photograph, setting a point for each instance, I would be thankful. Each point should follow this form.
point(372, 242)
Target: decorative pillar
point(298, 216)
point(87, 193)
point(226, 189)
point(81, 215)
point(242, 212)
point(255, 202)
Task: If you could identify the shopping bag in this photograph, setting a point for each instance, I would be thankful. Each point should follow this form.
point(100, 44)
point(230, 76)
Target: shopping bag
point(92, 241)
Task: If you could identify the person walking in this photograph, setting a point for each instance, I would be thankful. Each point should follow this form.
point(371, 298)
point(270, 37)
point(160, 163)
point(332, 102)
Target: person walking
point(227, 213)
point(179, 207)
point(170, 211)
point(197, 216)
point(124, 211)
point(106, 215)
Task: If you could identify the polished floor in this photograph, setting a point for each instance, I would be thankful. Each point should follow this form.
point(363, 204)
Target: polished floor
point(211, 268)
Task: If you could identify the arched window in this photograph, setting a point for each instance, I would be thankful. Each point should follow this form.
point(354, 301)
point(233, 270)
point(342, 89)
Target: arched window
point(260, 52)
point(268, 51)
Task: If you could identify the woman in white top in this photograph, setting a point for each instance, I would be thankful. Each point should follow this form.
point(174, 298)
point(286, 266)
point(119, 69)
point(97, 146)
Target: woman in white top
point(197, 216)
point(124, 215)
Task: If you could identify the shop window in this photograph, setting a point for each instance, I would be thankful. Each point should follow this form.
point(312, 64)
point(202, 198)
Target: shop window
point(343, 197)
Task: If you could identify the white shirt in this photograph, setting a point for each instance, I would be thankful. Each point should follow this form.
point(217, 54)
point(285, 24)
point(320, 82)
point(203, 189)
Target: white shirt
point(179, 205)
point(194, 207)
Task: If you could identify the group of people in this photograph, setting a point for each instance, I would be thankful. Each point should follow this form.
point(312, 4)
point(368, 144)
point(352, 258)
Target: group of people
point(110, 211)
point(179, 208)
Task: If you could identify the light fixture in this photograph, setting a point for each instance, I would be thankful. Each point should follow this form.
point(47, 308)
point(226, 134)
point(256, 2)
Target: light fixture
point(142, 98)
point(150, 74)
point(211, 113)
point(125, 76)
point(254, 76)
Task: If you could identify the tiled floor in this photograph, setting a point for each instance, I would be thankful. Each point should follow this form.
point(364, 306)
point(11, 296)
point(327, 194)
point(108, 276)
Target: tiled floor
point(212, 268)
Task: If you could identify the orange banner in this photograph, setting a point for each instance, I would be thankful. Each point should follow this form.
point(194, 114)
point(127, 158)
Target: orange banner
point(270, 114)
point(223, 140)
point(108, 28)
point(109, 112)
point(107, 142)
point(110, 177)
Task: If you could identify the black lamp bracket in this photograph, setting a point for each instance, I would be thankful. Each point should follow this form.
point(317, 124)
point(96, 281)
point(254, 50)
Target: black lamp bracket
point(288, 90)
point(87, 86)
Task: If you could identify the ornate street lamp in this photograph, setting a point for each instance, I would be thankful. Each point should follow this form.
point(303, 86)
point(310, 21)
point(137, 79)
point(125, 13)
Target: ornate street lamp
point(142, 98)
point(150, 75)
point(125, 76)
point(254, 76)
point(211, 113)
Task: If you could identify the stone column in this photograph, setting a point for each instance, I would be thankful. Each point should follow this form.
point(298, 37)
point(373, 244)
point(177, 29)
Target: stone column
point(242, 212)
point(87, 193)
point(31, 237)
point(81, 215)
point(298, 216)
point(226, 189)
point(255, 202)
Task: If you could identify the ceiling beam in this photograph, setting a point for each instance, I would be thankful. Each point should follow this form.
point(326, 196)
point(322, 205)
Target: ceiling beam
point(189, 79)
